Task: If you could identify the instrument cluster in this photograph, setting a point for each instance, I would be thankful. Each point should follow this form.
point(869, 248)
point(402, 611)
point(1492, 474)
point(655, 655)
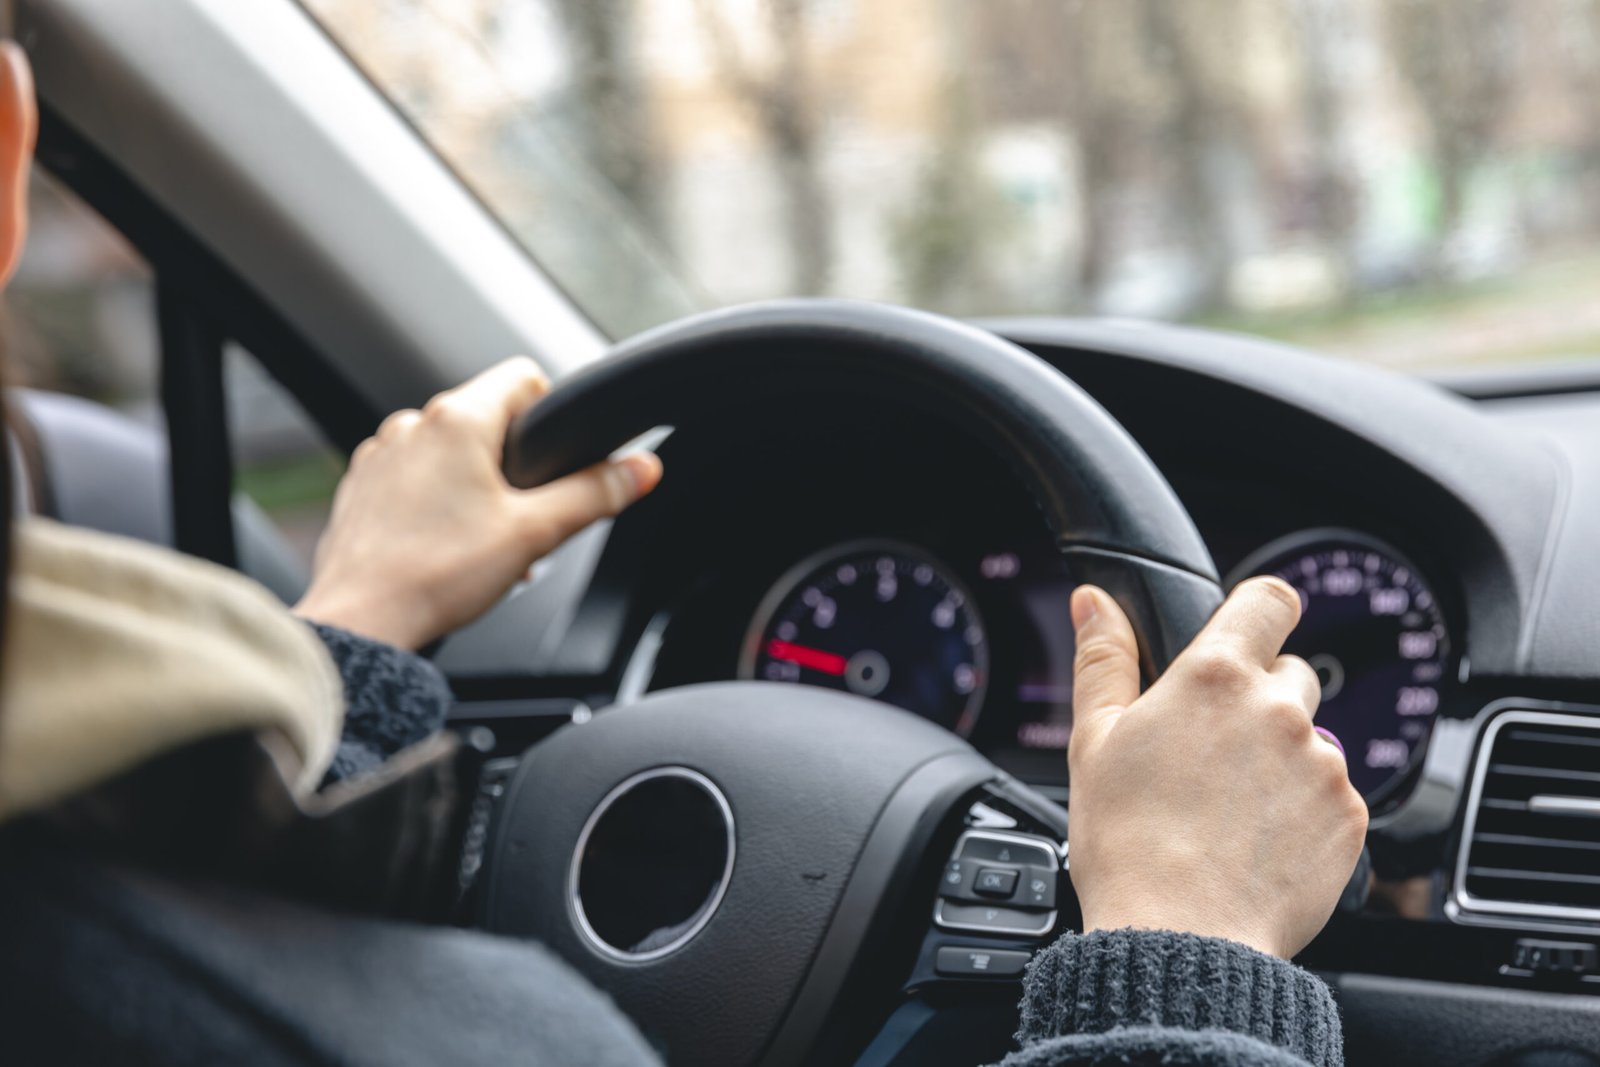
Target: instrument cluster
point(983, 645)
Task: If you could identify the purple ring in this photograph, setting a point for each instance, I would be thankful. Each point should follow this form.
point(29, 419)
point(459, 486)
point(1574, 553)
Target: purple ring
point(1327, 735)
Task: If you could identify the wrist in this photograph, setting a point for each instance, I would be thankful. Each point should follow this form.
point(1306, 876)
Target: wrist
point(389, 623)
point(1201, 922)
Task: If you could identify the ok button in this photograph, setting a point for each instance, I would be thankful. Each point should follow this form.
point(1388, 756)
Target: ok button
point(994, 882)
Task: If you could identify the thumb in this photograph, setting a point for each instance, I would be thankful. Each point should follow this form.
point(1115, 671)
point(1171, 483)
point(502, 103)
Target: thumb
point(1106, 668)
point(556, 511)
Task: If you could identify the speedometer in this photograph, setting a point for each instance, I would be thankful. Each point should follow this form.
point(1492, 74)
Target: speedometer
point(880, 620)
point(1375, 634)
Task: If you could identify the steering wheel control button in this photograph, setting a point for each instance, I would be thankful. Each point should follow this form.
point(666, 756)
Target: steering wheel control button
point(1005, 848)
point(995, 919)
point(652, 864)
point(994, 882)
point(960, 880)
point(1038, 888)
point(958, 962)
point(999, 882)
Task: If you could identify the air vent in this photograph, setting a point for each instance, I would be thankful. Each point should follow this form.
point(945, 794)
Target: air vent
point(1531, 844)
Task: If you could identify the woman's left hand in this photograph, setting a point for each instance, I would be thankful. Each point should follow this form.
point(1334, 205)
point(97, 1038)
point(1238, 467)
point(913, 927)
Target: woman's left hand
point(426, 533)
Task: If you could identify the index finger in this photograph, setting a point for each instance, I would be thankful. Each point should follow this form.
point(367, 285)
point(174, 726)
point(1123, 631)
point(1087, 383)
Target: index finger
point(1256, 619)
point(494, 397)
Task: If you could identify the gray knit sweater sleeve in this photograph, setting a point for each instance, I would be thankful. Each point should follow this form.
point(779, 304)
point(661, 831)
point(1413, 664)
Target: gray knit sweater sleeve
point(1157, 997)
point(393, 698)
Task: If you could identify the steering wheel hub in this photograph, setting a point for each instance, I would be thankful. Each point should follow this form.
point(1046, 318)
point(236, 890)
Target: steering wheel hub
point(652, 863)
point(833, 800)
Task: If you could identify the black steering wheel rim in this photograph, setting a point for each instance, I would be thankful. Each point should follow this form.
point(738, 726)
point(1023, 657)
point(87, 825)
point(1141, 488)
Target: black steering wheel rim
point(834, 802)
point(1113, 514)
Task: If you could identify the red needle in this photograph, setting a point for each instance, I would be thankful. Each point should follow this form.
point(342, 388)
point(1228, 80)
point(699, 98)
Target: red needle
point(814, 658)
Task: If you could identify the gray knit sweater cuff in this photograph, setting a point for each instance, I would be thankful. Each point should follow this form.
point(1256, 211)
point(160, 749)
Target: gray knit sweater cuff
point(393, 698)
point(1109, 979)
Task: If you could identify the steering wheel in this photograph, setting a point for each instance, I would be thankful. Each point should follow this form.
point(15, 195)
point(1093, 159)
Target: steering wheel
point(723, 858)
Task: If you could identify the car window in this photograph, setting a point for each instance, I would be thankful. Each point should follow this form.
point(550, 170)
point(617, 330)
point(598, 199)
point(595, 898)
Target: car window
point(281, 460)
point(80, 313)
point(1408, 181)
point(81, 319)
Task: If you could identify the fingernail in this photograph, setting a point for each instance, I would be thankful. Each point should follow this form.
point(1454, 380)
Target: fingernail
point(644, 469)
point(1327, 735)
point(1083, 606)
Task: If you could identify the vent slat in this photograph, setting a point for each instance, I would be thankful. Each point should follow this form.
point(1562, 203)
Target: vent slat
point(1533, 876)
point(1551, 738)
point(1533, 838)
point(1518, 771)
point(1532, 841)
point(1534, 823)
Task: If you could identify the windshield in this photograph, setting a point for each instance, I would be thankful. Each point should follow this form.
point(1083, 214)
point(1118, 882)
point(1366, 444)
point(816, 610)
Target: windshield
point(1413, 182)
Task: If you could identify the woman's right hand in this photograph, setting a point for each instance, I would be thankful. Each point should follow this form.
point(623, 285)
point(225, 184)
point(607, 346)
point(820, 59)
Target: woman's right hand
point(1208, 804)
point(426, 534)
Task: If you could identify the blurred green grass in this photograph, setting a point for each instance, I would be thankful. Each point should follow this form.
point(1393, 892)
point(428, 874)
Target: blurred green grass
point(1547, 310)
point(290, 483)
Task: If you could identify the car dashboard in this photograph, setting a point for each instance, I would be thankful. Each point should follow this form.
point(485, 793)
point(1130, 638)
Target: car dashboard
point(1438, 546)
point(949, 600)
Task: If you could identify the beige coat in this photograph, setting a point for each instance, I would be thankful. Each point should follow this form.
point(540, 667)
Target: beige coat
point(117, 652)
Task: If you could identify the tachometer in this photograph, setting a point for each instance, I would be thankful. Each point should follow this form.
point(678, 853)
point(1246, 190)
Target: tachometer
point(1374, 632)
point(878, 619)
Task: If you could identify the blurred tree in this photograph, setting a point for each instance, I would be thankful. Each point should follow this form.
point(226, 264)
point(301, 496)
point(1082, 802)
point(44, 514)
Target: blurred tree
point(1457, 57)
point(1102, 117)
point(1322, 29)
point(1145, 88)
point(787, 113)
point(1195, 45)
point(958, 214)
point(1583, 71)
point(612, 122)
point(1075, 66)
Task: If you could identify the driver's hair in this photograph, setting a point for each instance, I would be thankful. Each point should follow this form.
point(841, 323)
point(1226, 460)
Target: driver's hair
point(12, 452)
point(8, 469)
point(13, 456)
